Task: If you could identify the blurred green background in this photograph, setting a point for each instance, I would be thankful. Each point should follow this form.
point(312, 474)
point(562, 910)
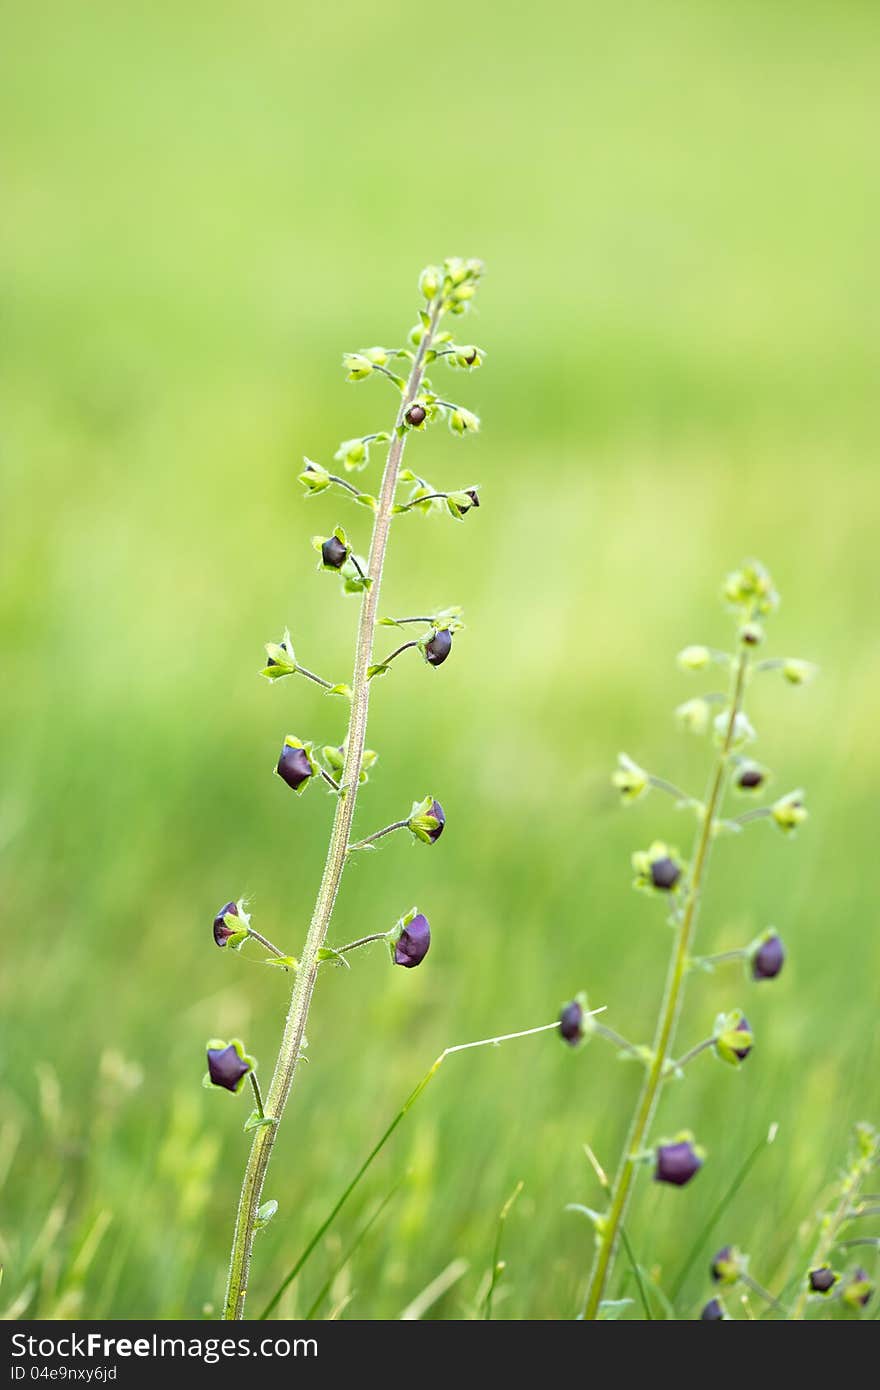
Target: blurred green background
point(204, 206)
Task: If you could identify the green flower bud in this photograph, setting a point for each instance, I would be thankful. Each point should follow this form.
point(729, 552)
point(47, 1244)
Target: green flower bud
point(728, 1265)
point(742, 733)
point(280, 660)
point(799, 672)
point(630, 780)
point(352, 454)
point(314, 477)
point(751, 634)
point(427, 820)
point(357, 365)
point(694, 715)
point(858, 1290)
point(694, 658)
point(733, 1037)
point(430, 281)
point(789, 812)
point(377, 355)
point(752, 588)
point(467, 356)
point(463, 421)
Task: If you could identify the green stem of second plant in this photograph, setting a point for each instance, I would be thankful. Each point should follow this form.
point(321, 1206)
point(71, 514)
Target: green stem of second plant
point(669, 1011)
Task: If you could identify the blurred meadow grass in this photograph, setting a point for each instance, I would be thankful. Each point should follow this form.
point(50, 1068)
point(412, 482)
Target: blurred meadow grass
point(204, 205)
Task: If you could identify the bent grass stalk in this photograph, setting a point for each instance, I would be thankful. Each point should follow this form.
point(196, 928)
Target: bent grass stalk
point(304, 984)
point(383, 1140)
point(669, 1011)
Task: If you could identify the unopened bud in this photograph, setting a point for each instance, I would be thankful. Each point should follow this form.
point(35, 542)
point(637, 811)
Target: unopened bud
point(412, 940)
point(677, 1162)
point(822, 1280)
point(294, 765)
point(733, 1037)
point(437, 647)
point(767, 956)
point(228, 1064)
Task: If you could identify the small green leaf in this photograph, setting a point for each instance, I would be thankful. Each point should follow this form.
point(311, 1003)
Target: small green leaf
point(366, 500)
point(378, 670)
point(340, 690)
point(256, 1121)
point(328, 953)
point(265, 1213)
point(282, 962)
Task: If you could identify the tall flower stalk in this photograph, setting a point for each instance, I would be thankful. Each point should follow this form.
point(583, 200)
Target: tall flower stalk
point(663, 874)
point(446, 290)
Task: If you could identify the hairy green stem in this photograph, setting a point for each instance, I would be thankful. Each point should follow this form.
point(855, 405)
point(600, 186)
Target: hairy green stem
point(379, 834)
point(361, 941)
point(669, 1010)
point(304, 984)
point(265, 943)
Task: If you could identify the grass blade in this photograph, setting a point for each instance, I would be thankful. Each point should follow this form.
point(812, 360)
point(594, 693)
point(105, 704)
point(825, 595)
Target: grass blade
point(721, 1208)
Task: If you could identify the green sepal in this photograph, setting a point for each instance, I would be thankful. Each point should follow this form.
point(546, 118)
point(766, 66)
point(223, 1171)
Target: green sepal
point(421, 822)
point(314, 477)
point(352, 583)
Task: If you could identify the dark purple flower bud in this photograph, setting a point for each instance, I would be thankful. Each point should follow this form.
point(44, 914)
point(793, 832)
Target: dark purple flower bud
point(822, 1280)
point(438, 647)
point(471, 357)
point(416, 415)
point(769, 958)
point(294, 767)
point(712, 1311)
point(334, 553)
point(439, 816)
point(413, 942)
point(473, 495)
point(227, 1067)
point(222, 932)
point(743, 1052)
point(571, 1022)
point(750, 779)
point(677, 1163)
point(665, 873)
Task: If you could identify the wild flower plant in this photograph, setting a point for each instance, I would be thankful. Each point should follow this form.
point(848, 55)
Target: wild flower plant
point(343, 766)
point(677, 883)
